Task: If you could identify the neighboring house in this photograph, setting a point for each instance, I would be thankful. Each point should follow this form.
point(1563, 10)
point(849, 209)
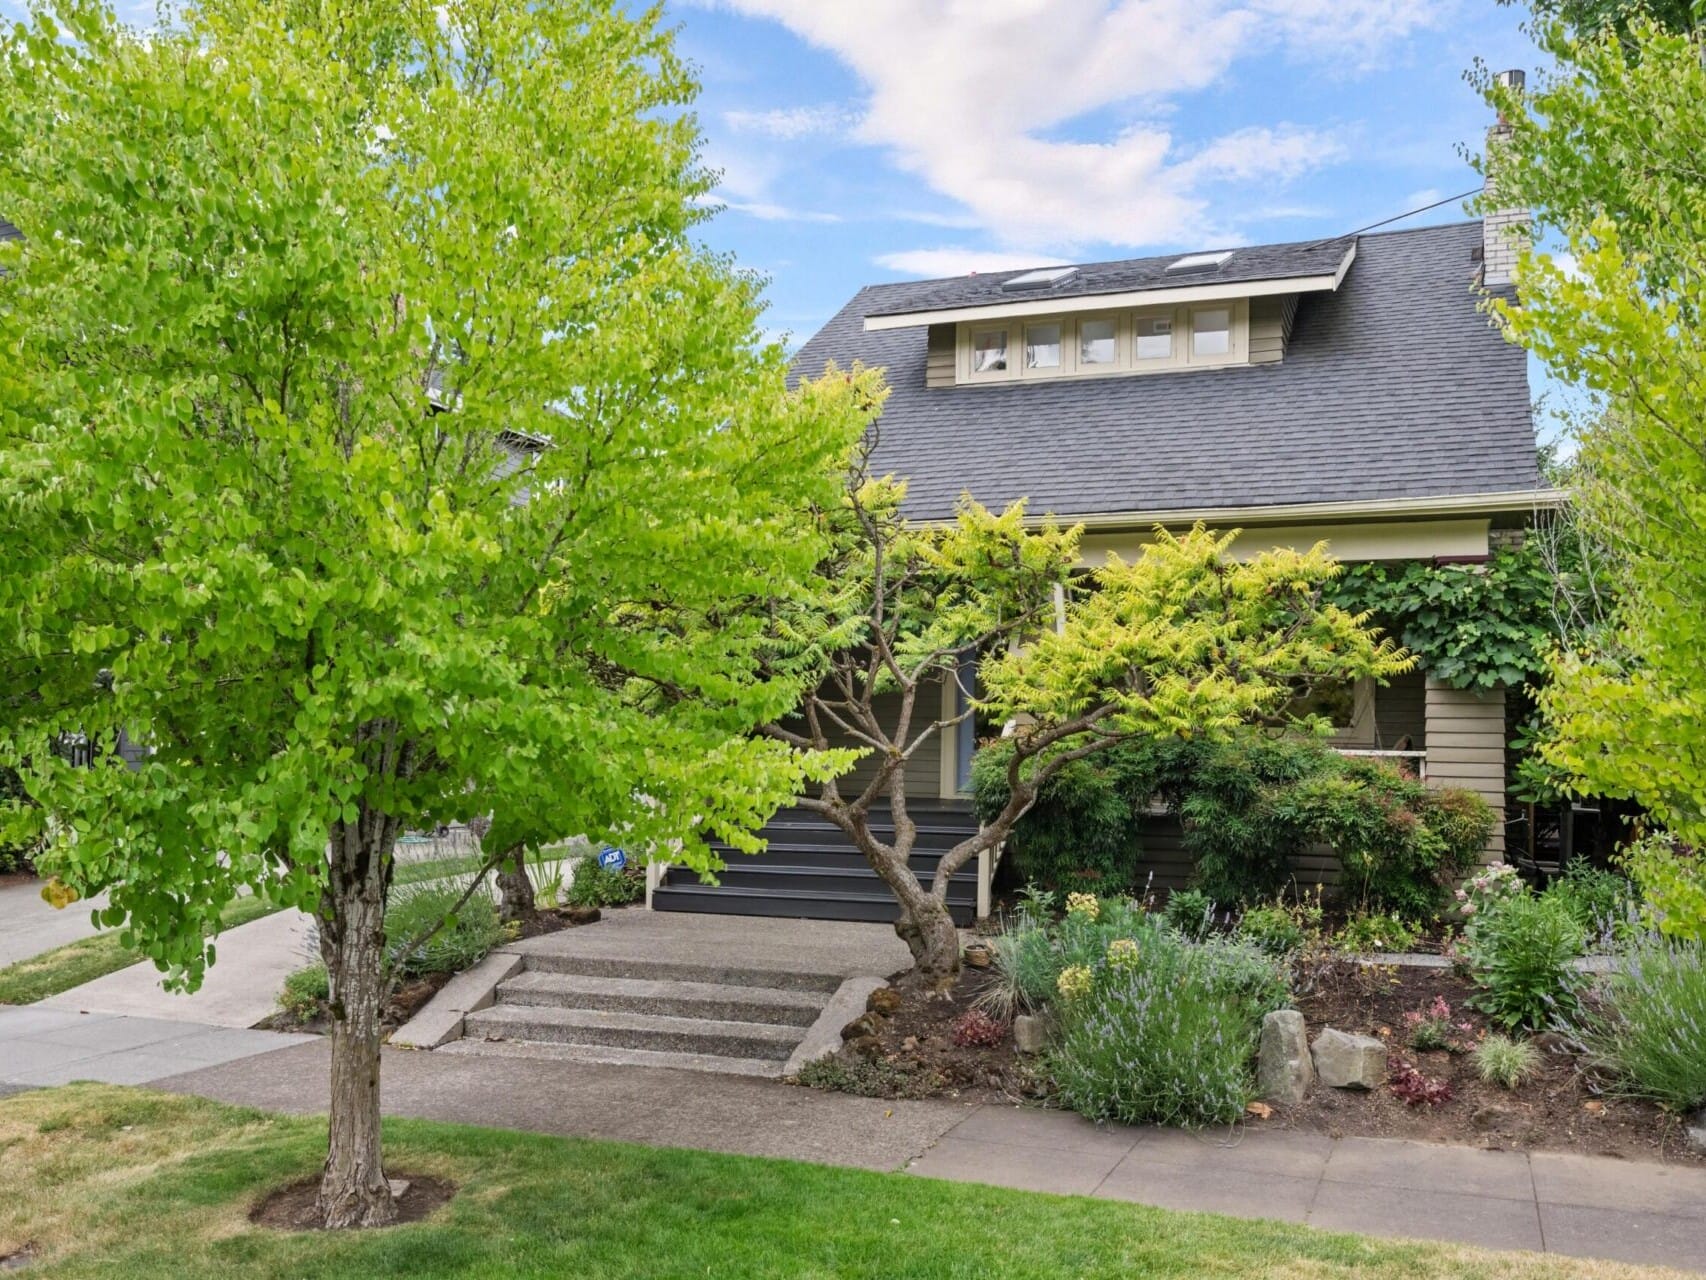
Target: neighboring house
point(1349, 389)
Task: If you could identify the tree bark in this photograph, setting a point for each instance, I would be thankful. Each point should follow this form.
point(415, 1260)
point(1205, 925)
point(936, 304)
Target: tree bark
point(354, 1191)
point(516, 903)
point(929, 931)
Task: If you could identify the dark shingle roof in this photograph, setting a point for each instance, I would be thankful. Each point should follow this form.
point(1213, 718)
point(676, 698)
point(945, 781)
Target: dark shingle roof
point(1394, 386)
point(1258, 262)
point(9, 232)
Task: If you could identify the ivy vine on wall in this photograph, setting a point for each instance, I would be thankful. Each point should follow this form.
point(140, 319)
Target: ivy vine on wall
point(1473, 626)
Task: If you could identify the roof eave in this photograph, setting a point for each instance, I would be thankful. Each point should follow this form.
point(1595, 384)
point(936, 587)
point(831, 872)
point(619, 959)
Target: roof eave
point(1464, 504)
point(1207, 292)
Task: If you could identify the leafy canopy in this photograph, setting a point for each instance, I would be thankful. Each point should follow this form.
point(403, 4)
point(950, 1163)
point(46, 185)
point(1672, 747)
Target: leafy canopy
point(1608, 153)
point(377, 446)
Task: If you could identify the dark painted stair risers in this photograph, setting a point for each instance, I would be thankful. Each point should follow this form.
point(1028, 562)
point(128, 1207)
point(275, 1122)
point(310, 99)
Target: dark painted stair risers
point(812, 871)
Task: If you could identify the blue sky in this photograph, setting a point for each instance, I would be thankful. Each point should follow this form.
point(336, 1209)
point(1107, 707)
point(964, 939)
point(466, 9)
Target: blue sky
point(895, 139)
point(871, 140)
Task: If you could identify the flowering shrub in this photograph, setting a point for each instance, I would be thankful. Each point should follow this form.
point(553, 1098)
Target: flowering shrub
point(1372, 931)
point(1165, 1031)
point(1498, 883)
point(975, 1029)
point(1414, 1089)
point(1648, 1026)
point(1520, 952)
point(1031, 955)
point(1431, 1028)
point(1084, 904)
point(1074, 982)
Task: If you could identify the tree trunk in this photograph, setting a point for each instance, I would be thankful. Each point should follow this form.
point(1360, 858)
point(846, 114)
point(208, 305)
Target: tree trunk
point(516, 904)
point(927, 928)
point(353, 1188)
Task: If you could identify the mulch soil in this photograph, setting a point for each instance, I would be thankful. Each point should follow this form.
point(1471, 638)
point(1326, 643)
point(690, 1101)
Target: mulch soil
point(912, 1054)
point(1560, 1109)
point(292, 1208)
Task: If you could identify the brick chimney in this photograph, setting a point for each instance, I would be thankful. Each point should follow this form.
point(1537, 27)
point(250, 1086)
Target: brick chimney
point(1503, 230)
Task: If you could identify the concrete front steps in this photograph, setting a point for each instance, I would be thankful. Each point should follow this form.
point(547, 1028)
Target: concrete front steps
point(708, 1017)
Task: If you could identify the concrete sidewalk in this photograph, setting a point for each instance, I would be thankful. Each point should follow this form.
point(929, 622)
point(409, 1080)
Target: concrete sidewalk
point(1598, 1208)
point(1621, 1210)
point(29, 926)
point(240, 988)
point(55, 1046)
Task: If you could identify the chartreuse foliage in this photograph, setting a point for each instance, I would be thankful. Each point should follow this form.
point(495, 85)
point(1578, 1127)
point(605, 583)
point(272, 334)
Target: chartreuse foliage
point(1608, 153)
point(294, 281)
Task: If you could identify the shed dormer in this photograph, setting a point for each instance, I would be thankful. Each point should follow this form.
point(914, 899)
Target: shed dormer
point(1143, 316)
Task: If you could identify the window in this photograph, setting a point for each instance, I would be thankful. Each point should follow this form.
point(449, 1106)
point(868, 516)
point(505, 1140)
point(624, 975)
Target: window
point(1200, 261)
point(1042, 346)
point(989, 351)
point(1154, 338)
point(1346, 705)
point(1097, 342)
point(1211, 331)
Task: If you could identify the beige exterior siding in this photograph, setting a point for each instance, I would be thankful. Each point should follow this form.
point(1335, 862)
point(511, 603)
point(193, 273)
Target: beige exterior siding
point(1466, 748)
point(924, 769)
point(1270, 327)
point(1400, 711)
point(939, 356)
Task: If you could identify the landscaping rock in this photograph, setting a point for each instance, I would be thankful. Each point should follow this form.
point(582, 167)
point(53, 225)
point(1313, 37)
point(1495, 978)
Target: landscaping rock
point(1694, 1129)
point(582, 915)
point(884, 1000)
point(1284, 1069)
point(1347, 1061)
point(866, 1024)
point(1032, 1032)
point(866, 1046)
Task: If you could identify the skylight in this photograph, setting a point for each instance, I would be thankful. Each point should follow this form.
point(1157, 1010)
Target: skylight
point(1200, 261)
point(1039, 279)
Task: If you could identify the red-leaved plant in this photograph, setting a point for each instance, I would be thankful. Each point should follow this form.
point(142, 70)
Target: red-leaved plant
point(1414, 1089)
point(975, 1029)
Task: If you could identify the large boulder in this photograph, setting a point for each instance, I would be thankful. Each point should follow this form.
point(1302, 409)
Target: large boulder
point(1347, 1061)
point(1033, 1031)
point(1284, 1070)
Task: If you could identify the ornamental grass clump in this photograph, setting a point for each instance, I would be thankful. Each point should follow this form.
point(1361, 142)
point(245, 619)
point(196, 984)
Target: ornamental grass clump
point(1647, 1025)
point(1166, 1035)
point(1032, 954)
point(1506, 1062)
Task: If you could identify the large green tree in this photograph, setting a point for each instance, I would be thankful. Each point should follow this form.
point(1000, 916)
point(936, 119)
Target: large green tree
point(1608, 152)
point(1186, 640)
point(378, 449)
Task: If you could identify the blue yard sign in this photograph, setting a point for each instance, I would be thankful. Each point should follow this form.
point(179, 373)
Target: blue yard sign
point(611, 858)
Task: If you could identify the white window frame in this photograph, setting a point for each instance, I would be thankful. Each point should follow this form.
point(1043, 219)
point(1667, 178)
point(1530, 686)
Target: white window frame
point(1126, 363)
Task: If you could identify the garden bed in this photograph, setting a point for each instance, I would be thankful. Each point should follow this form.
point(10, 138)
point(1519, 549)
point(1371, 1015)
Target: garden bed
point(1557, 1110)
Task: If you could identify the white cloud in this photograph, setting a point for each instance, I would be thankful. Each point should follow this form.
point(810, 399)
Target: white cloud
point(767, 211)
point(970, 96)
point(930, 264)
point(789, 124)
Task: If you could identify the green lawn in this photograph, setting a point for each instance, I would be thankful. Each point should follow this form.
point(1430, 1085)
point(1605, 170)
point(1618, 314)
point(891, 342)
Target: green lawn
point(111, 1182)
point(89, 958)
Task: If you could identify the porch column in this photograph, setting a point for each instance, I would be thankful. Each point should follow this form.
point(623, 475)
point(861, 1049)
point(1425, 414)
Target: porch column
point(1466, 748)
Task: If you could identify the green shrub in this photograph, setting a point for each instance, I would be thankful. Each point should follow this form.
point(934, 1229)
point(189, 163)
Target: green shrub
point(1249, 807)
point(1166, 1032)
point(304, 992)
point(1647, 1024)
point(597, 886)
point(1368, 932)
point(1672, 879)
point(1503, 1061)
point(1519, 956)
point(467, 934)
point(1602, 902)
point(1191, 912)
point(1281, 927)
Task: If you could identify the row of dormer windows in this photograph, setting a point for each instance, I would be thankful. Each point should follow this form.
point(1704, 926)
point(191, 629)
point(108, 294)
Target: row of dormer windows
point(1152, 340)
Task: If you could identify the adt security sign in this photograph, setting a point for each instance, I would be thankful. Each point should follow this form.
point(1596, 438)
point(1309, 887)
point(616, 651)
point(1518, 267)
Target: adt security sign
point(611, 858)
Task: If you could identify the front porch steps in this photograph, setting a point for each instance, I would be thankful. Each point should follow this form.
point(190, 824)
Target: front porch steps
point(811, 871)
point(710, 1017)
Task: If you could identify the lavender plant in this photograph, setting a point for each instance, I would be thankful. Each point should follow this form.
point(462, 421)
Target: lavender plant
point(1647, 1025)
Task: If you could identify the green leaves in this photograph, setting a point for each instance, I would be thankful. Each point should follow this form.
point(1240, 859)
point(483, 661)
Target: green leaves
point(376, 444)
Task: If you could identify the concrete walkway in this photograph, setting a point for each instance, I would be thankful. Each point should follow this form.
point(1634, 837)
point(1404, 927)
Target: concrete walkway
point(1598, 1208)
point(55, 1046)
point(29, 926)
point(1621, 1210)
point(240, 989)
